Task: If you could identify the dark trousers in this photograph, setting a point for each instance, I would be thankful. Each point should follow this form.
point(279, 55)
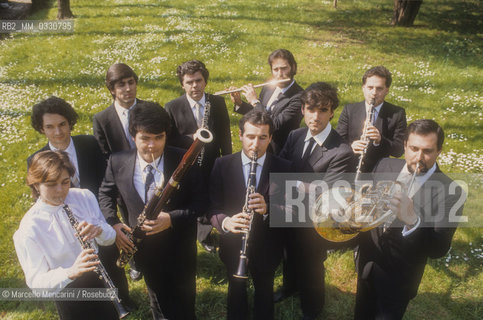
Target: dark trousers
point(289, 266)
point(237, 299)
point(310, 256)
point(108, 256)
point(73, 310)
point(169, 271)
point(262, 262)
point(377, 299)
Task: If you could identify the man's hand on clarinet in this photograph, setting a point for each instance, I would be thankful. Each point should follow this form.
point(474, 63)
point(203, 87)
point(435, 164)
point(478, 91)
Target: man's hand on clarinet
point(238, 223)
point(257, 203)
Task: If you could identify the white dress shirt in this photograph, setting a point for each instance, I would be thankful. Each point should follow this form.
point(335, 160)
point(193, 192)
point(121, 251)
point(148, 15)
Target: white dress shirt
point(123, 115)
point(140, 173)
point(45, 242)
point(193, 106)
point(73, 159)
point(319, 138)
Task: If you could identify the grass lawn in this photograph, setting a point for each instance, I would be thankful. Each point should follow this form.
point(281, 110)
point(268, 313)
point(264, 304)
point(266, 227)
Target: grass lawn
point(437, 73)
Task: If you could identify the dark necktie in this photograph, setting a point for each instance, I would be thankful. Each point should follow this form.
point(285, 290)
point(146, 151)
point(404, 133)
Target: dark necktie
point(148, 183)
point(308, 150)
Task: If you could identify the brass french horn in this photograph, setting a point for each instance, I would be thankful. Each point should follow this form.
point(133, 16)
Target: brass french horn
point(340, 214)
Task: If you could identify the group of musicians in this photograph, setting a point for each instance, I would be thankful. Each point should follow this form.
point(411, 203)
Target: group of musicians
point(107, 179)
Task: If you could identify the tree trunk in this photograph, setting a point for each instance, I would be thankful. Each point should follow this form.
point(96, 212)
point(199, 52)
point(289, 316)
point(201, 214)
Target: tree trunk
point(64, 9)
point(405, 12)
point(335, 4)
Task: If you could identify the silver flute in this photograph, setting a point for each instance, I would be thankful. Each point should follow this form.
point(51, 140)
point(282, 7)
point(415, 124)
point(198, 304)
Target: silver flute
point(100, 269)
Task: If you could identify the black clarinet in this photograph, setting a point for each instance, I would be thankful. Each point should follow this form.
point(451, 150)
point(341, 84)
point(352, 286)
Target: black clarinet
point(100, 269)
point(241, 272)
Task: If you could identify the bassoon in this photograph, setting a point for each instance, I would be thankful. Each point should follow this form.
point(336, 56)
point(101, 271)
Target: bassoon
point(162, 195)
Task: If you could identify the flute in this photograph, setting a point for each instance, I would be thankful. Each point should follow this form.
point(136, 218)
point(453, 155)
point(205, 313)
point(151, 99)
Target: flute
point(273, 82)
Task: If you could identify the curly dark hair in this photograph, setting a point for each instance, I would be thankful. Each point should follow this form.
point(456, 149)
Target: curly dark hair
point(53, 105)
point(191, 67)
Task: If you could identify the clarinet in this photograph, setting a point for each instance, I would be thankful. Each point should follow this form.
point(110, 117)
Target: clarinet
point(241, 272)
point(100, 269)
point(204, 125)
point(367, 123)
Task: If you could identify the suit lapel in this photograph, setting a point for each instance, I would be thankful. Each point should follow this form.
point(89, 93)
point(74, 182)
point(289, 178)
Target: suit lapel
point(267, 96)
point(239, 183)
point(116, 124)
point(80, 154)
point(126, 172)
point(380, 118)
point(264, 176)
point(188, 115)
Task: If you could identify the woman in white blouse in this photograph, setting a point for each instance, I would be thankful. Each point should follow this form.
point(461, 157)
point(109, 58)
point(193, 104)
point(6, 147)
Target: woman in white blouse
point(47, 248)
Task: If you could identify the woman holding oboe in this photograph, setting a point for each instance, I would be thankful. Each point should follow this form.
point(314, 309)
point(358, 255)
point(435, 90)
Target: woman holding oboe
point(47, 246)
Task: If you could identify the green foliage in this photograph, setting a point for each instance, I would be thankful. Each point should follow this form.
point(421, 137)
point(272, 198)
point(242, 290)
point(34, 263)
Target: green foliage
point(437, 73)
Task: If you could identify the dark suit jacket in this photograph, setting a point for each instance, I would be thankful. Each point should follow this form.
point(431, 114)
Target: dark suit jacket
point(389, 255)
point(109, 132)
point(334, 157)
point(183, 124)
point(183, 207)
point(89, 159)
point(391, 123)
point(227, 197)
point(286, 114)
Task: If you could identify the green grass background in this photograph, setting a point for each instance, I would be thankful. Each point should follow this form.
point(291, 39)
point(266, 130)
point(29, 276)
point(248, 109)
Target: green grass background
point(437, 71)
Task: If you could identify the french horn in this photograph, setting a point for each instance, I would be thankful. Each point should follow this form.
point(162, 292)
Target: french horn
point(340, 214)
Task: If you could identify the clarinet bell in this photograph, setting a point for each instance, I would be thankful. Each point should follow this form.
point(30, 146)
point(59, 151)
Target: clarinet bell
point(241, 272)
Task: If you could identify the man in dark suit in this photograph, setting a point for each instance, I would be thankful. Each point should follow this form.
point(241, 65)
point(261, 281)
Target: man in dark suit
point(385, 132)
point(317, 148)
point(227, 194)
point(391, 260)
point(197, 109)
point(112, 133)
point(282, 101)
point(111, 125)
point(55, 118)
point(167, 254)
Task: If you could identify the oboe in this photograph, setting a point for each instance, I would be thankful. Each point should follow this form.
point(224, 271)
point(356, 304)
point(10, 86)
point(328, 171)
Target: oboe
point(204, 125)
point(100, 269)
point(364, 137)
point(251, 186)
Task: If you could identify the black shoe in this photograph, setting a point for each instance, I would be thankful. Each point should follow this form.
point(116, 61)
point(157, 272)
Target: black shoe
point(282, 294)
point(307, 317)
point(209, 248)
point(135, 275)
